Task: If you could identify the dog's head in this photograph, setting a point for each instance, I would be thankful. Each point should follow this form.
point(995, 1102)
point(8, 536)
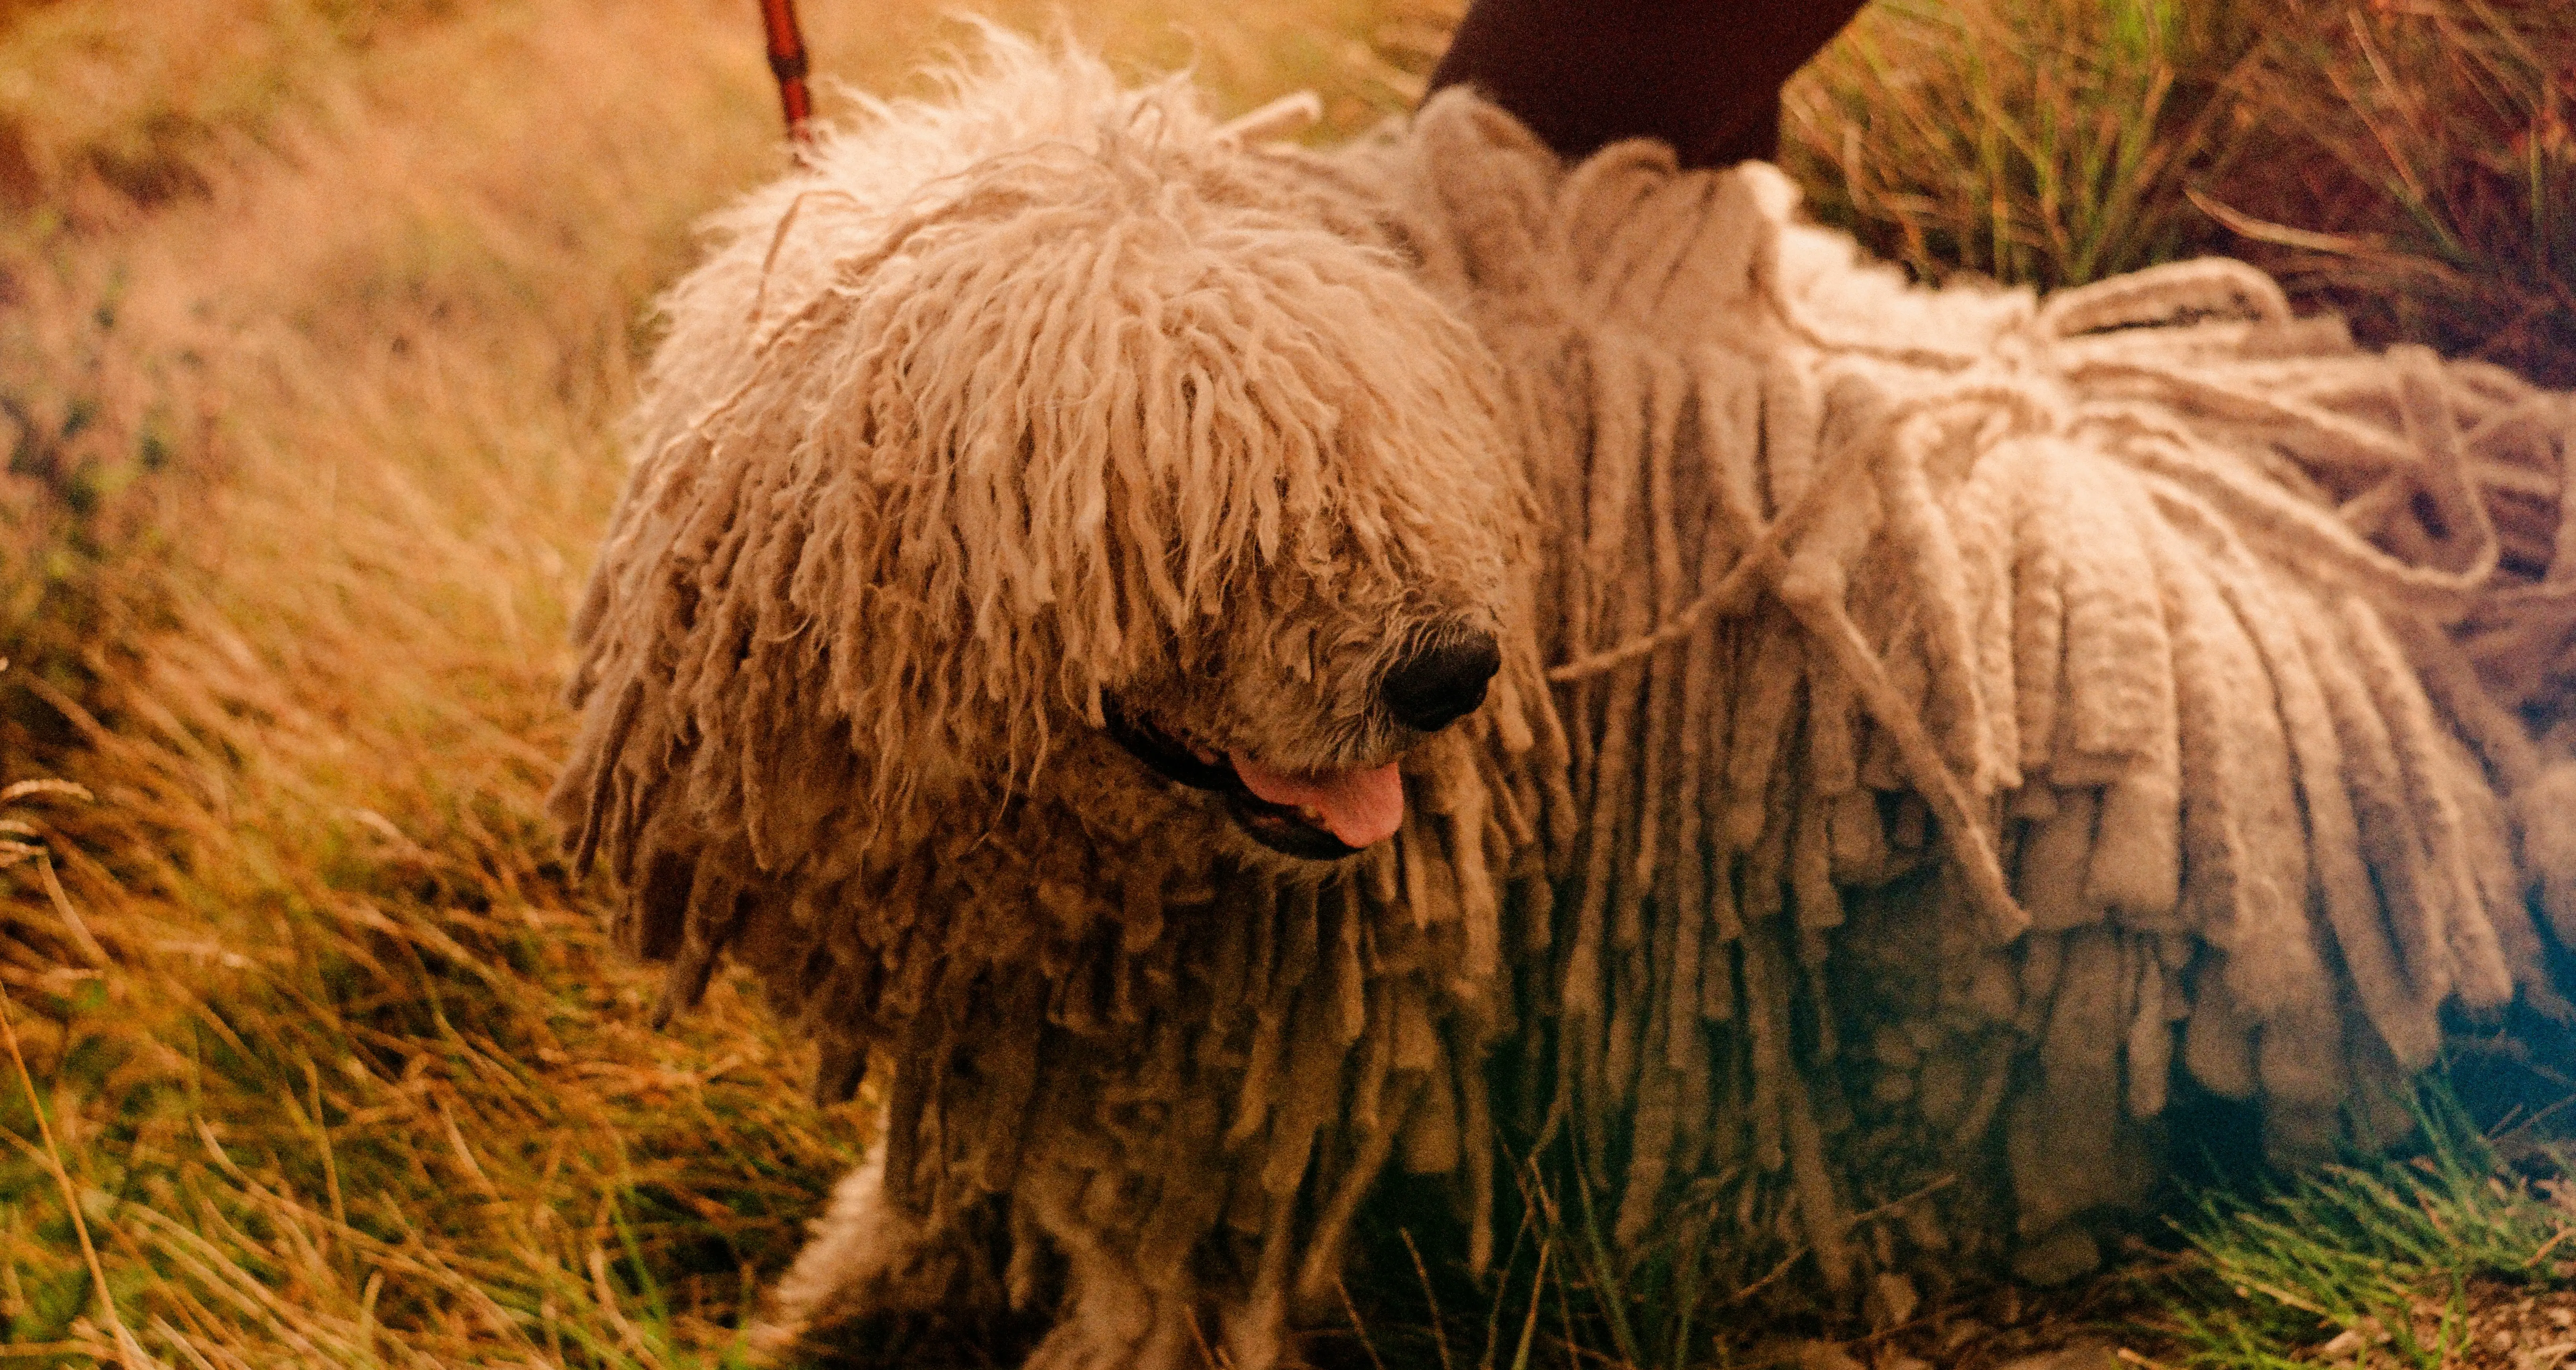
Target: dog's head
point(1110, 463)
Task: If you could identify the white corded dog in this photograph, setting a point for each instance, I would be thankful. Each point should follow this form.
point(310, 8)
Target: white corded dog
point(1076, 630)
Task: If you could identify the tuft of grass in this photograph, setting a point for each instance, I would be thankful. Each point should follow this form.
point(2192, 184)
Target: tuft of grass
point(2408, 163)
point(2043, 142)
point(2373, 1261)
point(2413, 166)
point(1716, 1280)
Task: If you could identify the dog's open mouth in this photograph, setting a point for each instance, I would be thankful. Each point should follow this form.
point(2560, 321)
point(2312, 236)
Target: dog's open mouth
point(1321, 817)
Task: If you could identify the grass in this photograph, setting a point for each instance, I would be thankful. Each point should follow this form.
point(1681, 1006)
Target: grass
point(1559, 1296)
point(2425, 176)
point(2374, 1258)
point(316, 321)
point(356, 1083)
point(2406, 162)
point(2037, 141)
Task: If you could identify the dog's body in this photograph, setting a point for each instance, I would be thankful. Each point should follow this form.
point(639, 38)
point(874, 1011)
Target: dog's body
point(1044, 634)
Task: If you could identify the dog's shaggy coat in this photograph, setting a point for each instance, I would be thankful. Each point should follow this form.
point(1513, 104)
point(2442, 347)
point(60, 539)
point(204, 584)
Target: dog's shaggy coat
point(1964, 711)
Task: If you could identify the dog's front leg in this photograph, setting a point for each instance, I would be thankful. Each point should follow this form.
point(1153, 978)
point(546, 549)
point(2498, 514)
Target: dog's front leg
point(864, 1257)
point(1120, 1310)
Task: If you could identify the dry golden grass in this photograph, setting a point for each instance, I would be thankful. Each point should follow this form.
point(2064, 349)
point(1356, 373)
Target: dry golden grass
point(356, 1082)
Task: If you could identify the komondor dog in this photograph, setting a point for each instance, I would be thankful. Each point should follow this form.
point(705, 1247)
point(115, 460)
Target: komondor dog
point(1232, 673)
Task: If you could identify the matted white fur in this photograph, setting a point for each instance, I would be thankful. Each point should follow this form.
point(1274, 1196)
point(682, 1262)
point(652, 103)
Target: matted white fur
point(2033, 699)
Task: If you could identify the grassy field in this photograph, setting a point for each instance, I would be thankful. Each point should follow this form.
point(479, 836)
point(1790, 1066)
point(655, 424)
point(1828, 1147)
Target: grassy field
point(316, 321)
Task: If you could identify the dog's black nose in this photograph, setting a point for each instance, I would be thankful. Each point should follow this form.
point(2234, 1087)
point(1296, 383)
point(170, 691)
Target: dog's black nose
point(1443, 682)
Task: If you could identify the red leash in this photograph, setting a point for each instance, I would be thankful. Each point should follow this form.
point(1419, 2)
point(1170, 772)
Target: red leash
point(787, 63)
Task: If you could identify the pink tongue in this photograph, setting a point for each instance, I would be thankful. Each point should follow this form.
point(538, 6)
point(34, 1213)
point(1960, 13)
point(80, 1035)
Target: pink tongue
point(1359, 807)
